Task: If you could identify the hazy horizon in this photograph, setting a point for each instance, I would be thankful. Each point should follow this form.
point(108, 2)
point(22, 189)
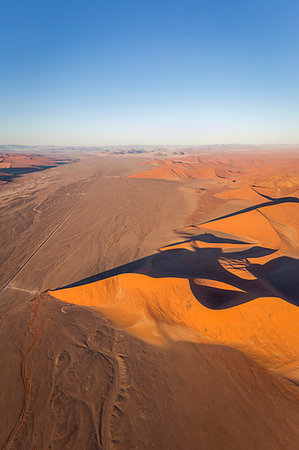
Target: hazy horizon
point(163, 146)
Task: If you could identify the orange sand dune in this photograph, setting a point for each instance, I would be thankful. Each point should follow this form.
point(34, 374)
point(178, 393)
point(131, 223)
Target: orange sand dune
point(176, 170)
point(230, 281)
point(5, 165)
point(283, 180)
point(199, 339)
point(23, 160)
point(265, 328)
point(245, 193)
point(272, 225)
point(247, 260)
point(284, 218)
point(251, 226)
point(14, 164)
point(249, 169)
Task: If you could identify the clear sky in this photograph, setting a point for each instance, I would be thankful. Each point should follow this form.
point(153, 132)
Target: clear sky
point(115, 72)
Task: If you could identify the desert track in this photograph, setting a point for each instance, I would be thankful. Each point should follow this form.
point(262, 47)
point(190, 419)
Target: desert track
point(26, 378)
point(48, 237)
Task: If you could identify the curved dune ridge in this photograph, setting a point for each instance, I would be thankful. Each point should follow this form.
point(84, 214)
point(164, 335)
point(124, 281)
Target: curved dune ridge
point(9, 160)
point(230, 281)
point(265, 328)
point(246, 193)
point(248, 169)
point(251, 225)
point(193, 345)
point(178, 170)
point(13, 165)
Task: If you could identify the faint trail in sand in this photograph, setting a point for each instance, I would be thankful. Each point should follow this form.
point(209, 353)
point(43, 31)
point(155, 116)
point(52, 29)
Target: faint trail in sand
point(23, 290)
point(110, 401)
point(119, 372)
point(48, 237)
point(25, 377)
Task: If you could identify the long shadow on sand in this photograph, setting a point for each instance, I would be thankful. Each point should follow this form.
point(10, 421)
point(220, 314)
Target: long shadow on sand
point(278, 278)
point(218, 279)
point(273, 202)
point(9, 174)
point(15, 172)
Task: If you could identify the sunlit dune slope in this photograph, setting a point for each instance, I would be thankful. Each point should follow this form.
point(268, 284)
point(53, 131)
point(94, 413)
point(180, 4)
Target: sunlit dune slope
point(281, 180)
point(245, 193)
point(258, 194)
point(269, 225)
point(177, 170)
point(280, 173)
point(265, 328)
point(230, 281)
point(284, 218)
point(234, 285)
point(91, 385)
point(9, 160)
point(14, 164)
point(252, 227)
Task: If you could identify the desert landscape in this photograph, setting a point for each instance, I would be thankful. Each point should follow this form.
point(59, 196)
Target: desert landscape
point(149, 225)
point(149, 298)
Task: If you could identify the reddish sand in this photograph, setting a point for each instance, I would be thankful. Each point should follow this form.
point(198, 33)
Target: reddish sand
point(245, 193)
point(249, 168)
point(265, 327)
point(178, 170)
point(23, 160)
point(18, 163)
point(194, 345)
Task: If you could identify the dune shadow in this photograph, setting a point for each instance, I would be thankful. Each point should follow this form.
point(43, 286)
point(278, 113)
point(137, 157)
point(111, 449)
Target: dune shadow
point(283, 274)
point(217, 298)
point(219, 279)
point(9, 174)
point(210, 238)
point(207, 238)
point(274, 279)
point(267, 197)
point(253, 252)
point(273, 202)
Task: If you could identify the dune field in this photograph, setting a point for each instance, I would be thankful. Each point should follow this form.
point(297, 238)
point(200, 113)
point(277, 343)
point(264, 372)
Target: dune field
point(152, 303)
point(13, 165)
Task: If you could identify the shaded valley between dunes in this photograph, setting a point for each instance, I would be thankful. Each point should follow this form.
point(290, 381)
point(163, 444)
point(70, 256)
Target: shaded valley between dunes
point(152, 310)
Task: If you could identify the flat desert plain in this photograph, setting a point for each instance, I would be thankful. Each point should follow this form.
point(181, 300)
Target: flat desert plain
point(151, 301)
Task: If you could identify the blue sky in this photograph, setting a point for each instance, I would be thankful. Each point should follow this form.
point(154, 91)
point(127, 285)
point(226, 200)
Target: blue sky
point(149, 72)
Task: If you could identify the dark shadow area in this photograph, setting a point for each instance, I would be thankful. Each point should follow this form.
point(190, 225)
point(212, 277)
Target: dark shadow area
point(278, 278)
point(9, 174)
point(212, 239)
point(208, 238)
point(253, 252)
point(215, 298)
point(15, 172)
point(267, 197)
point(5, 177)
point(277, 201)
point(283, 274)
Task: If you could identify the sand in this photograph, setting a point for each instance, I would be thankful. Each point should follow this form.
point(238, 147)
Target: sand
point(13, 165)
point(169, 317)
